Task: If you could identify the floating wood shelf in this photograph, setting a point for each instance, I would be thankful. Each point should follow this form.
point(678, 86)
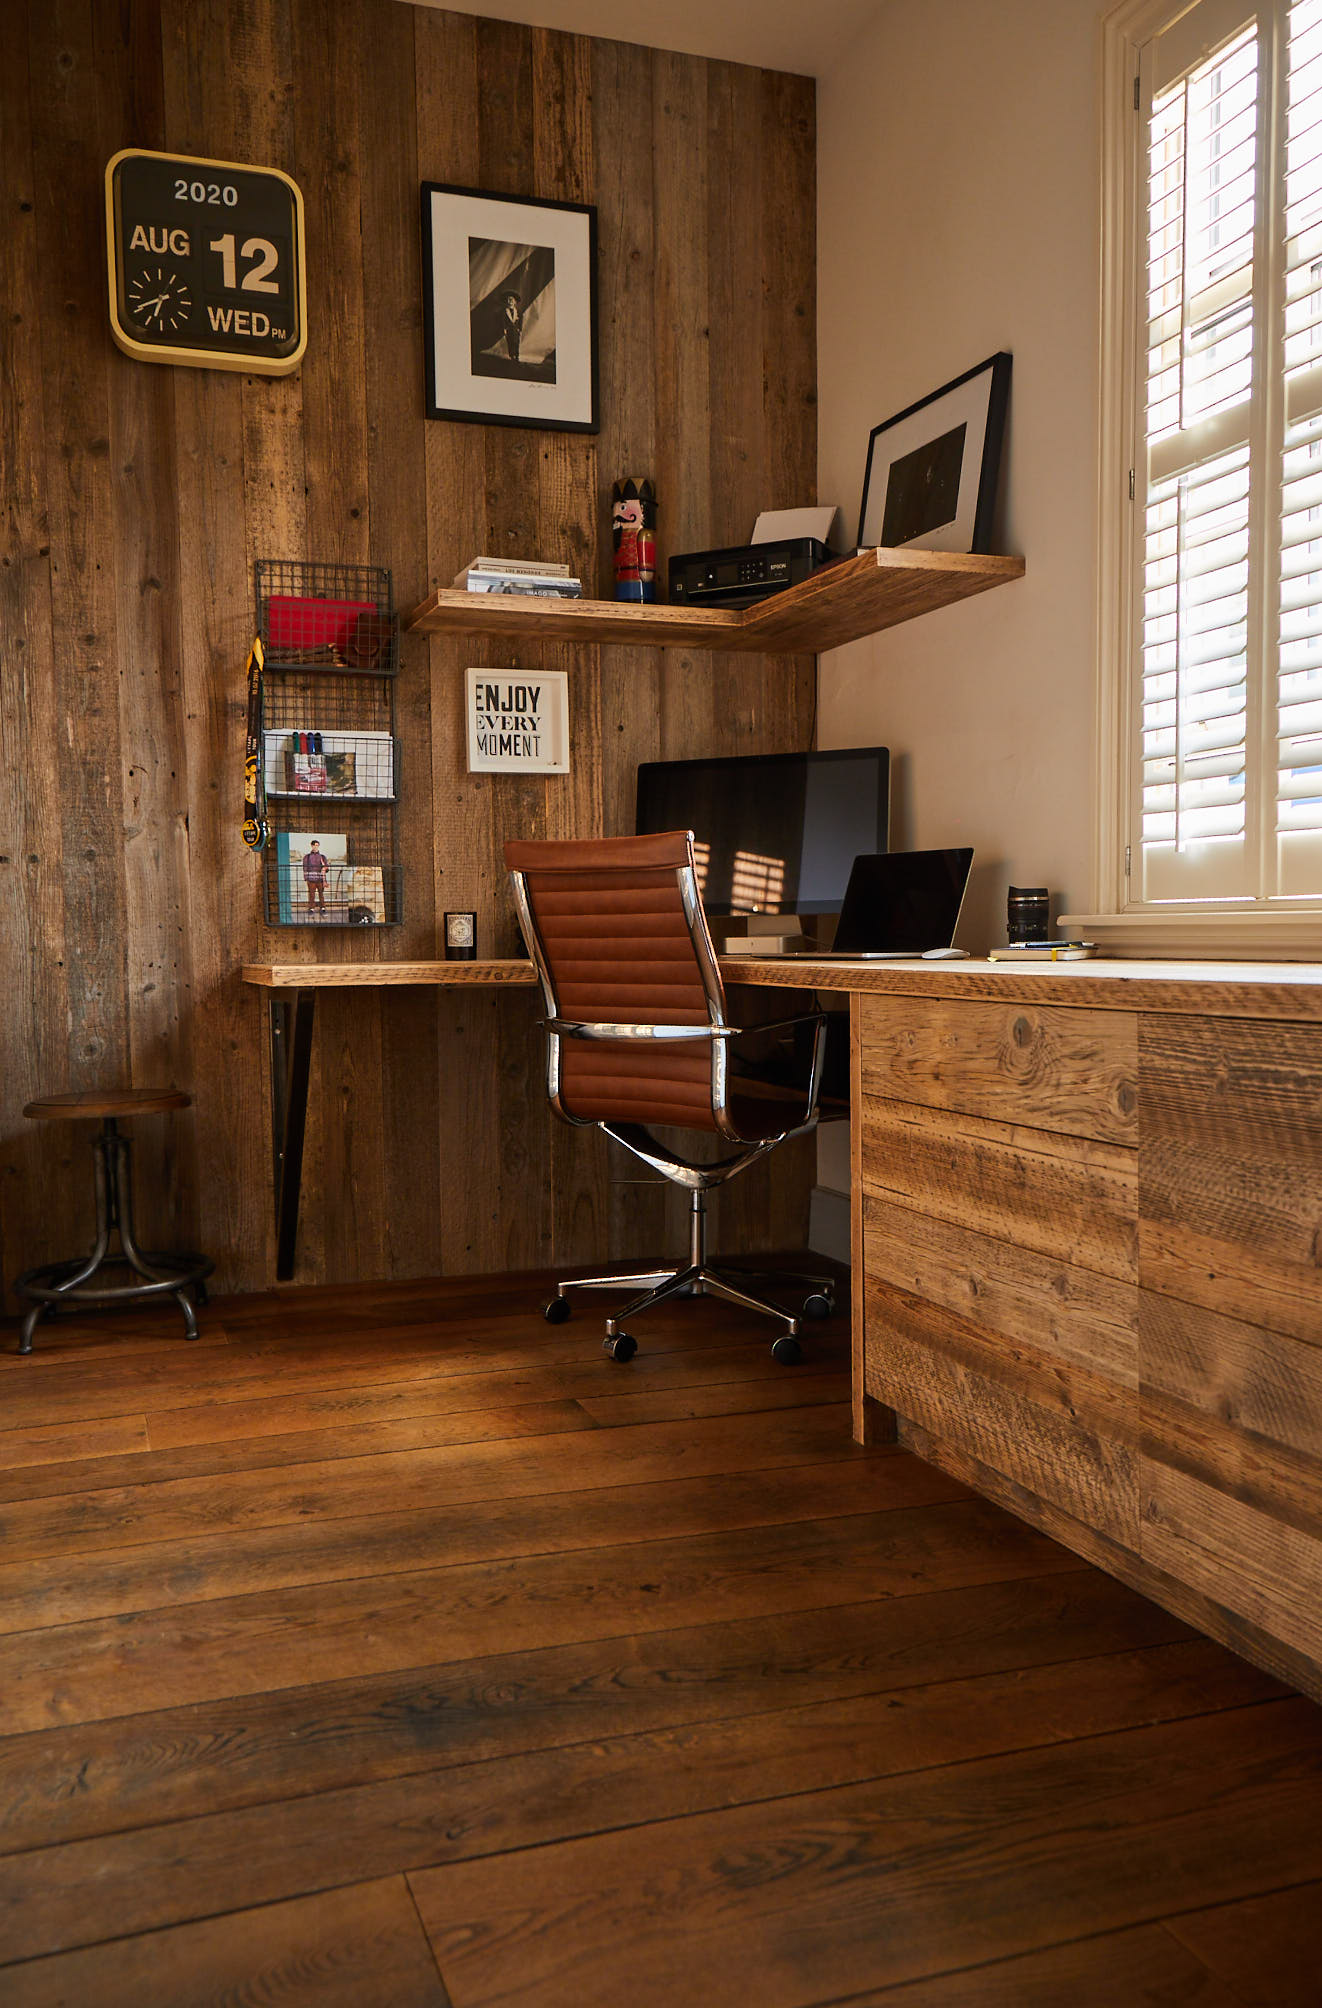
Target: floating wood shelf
point(857, 597)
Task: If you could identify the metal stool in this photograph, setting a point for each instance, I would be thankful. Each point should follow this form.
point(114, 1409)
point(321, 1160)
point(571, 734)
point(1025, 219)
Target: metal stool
point(55, 1284)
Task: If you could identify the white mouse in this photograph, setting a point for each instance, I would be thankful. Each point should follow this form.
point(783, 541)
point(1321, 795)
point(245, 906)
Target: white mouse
point(945, 955)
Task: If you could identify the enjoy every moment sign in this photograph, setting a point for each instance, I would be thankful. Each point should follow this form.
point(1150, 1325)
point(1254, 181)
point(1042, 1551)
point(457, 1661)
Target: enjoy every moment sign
point(518, 723)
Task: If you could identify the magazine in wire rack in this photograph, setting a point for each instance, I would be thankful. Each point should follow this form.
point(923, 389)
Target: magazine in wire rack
point(355, 765)
point(319, 885)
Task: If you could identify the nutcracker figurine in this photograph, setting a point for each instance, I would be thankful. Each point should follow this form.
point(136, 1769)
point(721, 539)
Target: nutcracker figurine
point(633, 517)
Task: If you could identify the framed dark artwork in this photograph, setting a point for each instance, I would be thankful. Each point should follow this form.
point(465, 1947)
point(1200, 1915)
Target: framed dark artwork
point(509, 295)
point(930, 480)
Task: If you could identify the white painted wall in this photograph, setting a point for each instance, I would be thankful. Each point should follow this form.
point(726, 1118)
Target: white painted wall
point(774, 34)
point(958, 197)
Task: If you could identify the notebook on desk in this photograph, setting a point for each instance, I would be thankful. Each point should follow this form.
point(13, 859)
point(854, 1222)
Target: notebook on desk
point(897, 904)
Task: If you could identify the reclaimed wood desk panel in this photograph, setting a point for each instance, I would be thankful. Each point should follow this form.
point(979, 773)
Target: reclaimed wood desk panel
point(1088, 1265)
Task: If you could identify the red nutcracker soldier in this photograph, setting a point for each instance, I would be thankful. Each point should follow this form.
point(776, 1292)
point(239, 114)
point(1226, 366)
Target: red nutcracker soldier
point(633, 516)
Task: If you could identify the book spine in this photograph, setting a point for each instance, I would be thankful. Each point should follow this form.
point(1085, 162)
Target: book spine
point(523, 585)
point(536, 568)
point(283, 889)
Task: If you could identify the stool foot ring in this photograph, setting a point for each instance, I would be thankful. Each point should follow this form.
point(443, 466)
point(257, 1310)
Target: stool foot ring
point(54, 1286)
point(57, 1286)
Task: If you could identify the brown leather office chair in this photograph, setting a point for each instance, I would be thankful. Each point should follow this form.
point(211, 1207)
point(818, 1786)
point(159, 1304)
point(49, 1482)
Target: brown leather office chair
point(637, 1034)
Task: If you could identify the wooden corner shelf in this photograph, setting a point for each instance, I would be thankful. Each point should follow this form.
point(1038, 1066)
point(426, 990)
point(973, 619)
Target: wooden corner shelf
point(857, 597)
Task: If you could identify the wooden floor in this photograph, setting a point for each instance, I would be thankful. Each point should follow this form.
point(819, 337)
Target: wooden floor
point(390, 1648)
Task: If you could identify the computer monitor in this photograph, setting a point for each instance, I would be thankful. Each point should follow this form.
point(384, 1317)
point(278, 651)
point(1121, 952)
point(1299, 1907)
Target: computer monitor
point(773, 833)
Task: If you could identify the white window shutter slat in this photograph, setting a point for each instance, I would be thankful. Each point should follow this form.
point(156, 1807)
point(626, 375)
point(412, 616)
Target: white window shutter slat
point(1203, 194)
point(1298, 778)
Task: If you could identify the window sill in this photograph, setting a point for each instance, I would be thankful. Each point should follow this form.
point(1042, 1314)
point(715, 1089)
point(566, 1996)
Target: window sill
point(1256, 935)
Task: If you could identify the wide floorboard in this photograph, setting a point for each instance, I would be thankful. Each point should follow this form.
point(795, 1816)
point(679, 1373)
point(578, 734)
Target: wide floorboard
point(391, 1648)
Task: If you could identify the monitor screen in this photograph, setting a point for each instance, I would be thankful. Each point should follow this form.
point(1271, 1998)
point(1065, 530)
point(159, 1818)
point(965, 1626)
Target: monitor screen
point(773, 833)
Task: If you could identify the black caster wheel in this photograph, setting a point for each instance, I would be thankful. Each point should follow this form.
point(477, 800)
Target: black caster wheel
point(786, 1350)
point(556, 1311)
point(819, 1305)
point(621, 1347)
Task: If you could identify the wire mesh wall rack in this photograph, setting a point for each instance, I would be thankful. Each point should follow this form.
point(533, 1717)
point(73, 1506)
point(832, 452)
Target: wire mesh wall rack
point(330, 755)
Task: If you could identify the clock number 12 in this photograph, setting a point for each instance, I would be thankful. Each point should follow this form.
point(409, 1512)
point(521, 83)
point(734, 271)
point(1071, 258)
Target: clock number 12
point(265, 259)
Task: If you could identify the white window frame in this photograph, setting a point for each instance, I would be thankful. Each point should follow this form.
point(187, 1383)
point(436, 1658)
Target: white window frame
point(1236, 927)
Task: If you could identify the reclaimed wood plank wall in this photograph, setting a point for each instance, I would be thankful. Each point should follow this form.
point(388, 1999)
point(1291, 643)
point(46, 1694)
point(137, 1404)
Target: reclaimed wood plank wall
point(136, 497)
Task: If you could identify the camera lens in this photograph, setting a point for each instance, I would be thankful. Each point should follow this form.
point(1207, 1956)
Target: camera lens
point(1026, 913)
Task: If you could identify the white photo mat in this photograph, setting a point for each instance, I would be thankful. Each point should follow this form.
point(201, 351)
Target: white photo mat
point(950, 441)
point(456, 222)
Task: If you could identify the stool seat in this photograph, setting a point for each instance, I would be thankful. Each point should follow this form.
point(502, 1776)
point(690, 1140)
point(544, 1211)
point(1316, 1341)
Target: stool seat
point(69, 1285)
point(99, 1102)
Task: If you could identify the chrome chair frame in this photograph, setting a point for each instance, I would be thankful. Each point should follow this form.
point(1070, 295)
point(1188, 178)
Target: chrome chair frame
point(698, 1276)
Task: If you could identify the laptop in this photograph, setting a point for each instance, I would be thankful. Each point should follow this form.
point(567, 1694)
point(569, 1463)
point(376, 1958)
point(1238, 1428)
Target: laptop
point(898, 904)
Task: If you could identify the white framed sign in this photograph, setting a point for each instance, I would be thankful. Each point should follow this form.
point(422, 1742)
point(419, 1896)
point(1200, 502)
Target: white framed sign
point(518, 721)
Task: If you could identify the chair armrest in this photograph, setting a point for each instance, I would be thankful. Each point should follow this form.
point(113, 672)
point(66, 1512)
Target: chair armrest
point(574, 1028)
point(780, 1024)
point(818, 1020)
point(578, 1028)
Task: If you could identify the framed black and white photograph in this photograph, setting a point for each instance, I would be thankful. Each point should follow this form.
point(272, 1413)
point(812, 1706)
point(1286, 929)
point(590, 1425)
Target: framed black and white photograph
point(930, 481)
point(510, 309)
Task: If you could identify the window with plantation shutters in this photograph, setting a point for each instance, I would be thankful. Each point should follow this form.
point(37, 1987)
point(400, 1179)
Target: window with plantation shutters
point(1298, 696)
point(1219, 782)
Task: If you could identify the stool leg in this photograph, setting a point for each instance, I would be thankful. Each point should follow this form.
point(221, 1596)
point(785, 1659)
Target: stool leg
point(28, 1327)
point(119, 1179)
point(94, 1260)
point(119, 1157)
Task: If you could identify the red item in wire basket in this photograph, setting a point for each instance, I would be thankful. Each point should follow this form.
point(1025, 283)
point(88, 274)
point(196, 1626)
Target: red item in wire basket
point(307, 623)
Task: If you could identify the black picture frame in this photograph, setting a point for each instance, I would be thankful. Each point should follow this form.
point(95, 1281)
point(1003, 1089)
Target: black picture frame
point(931, 473)
point(490, 362)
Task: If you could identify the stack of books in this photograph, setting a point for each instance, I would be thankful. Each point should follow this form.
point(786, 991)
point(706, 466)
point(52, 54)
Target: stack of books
point(519, 575)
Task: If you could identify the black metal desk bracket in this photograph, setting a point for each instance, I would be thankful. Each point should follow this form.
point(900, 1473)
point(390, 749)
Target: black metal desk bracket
point(292, 1016)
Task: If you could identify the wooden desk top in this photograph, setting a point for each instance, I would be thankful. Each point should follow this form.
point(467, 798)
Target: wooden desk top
point(375, 975)
point(1219, 989)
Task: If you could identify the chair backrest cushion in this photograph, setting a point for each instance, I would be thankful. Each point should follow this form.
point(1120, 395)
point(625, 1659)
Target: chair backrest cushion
point(619, 950)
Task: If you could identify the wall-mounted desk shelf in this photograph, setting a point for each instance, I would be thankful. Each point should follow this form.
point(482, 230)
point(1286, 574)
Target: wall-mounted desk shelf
point(378, 975)
point(859, 596)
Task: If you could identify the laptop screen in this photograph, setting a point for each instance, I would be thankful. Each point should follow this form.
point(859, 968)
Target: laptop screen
point(903, 901)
